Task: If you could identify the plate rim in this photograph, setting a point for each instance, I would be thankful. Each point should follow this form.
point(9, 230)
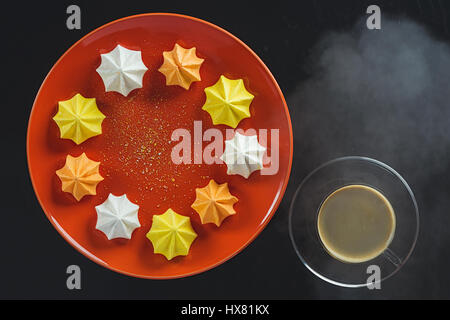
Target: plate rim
point(260, 228)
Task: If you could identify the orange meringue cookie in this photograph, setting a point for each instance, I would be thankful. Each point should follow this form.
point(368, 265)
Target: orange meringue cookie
point(214, 203)
point(181, 66)
point(80, 176)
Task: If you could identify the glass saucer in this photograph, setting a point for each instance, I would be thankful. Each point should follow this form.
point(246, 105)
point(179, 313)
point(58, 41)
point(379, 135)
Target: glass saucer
point(336, 174)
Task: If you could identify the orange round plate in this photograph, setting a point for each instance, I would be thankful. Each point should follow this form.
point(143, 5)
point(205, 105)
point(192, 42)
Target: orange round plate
point(135, 146)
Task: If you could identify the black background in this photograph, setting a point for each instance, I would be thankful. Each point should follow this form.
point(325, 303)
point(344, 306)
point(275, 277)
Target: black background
point(33, 257)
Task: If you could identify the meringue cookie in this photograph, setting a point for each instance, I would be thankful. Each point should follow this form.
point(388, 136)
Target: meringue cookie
point(228, 102)
point(117, 217)
point(171, 234)
point(122, 70)
point(181, 66)
point(80, 176)
point(79, 119)
point(243, 155)
point(214, 203)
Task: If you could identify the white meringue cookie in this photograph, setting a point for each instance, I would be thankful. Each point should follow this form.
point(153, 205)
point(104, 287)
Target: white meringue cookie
point(122, 70)
point(243, 155)
point(117, 217)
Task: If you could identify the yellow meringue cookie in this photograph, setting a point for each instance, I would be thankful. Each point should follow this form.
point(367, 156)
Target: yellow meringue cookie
point(171, 234)
point(228, 102)
point(79, 119)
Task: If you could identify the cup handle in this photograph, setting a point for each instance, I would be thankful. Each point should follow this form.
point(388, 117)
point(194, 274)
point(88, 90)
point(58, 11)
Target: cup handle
point(392, 257)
